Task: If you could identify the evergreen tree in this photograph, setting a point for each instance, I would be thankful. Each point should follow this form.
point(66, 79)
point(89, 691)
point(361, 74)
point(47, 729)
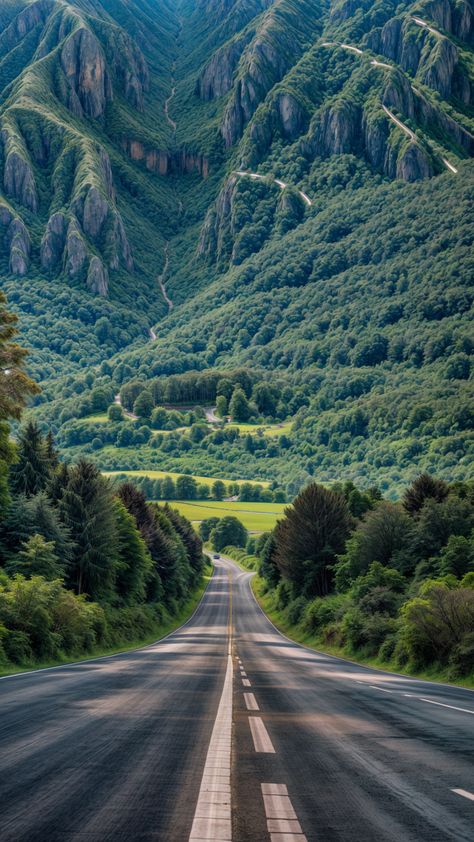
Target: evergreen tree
point(15, 385)
point(422, 489)
point(31, 473)
point(309, 538)
point(87, 510)
point(34, 515)
point(135, 562)
point(51, 452)
point(190, 539)
point(37, 558)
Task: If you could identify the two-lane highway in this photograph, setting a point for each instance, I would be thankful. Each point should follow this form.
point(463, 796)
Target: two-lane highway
point(153, 745)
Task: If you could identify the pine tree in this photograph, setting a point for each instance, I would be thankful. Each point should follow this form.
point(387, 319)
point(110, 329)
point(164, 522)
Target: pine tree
point(31, 473)
point(135, 563)
point(37, 558)
point(87, 510)
point(309, 538)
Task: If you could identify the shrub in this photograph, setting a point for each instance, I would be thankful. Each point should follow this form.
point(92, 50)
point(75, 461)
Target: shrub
point(462, 656)
point(295, 610)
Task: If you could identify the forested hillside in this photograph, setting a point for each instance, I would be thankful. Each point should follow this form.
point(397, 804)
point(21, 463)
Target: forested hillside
point(272, 195)
point(84, 564)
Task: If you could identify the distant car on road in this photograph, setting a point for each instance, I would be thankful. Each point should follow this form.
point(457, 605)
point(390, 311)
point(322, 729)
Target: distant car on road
point(216, 555)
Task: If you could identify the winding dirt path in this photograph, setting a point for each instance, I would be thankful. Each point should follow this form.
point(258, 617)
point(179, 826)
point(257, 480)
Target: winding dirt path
point(376, 63)
point(281, 184)
point(161, 279)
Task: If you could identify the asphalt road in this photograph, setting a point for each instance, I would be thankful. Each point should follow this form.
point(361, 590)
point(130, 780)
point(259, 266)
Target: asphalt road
point(142, 746)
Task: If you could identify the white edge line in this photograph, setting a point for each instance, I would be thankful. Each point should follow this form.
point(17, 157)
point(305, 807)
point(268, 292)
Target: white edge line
point(464, 793)
point(408, 678)
point(117, 654)
point(443, 705)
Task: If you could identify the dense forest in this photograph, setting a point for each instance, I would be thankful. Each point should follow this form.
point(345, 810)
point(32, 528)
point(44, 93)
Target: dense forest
point(392, 583)
point(84, 565)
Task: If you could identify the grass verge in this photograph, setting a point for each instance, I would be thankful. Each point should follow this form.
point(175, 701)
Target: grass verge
point(296, 633)
point(160, 632)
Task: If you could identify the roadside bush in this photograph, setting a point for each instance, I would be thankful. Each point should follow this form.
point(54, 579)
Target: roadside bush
point(322, 611)
point(366, 632)
point(462, 656)
point(295, 610)
point(436, 622)
point(284, 594)
point(388, 648)
point(17, 647)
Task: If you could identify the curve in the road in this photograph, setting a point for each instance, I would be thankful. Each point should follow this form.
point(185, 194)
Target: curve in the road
point(385, 66)
point(281, 184)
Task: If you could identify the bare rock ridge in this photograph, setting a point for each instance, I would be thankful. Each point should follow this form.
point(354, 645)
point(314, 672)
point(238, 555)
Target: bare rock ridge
point(89, 83)
point(276, 46)
point(164, 162)
point(84, 223)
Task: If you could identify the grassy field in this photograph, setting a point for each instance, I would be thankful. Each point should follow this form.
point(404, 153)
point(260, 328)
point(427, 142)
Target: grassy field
point(256, 517)
point(209, 481)
point(268, 429)
point(97, 418)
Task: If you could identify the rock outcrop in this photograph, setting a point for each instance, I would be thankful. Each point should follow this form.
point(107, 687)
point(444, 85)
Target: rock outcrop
point(131, 70)
point(19, 244)
point(278, 43)
point(433, 59)
point(217, 233)
point(53, 242)
point(217, 77)
point(24, 23)
point(76, 251)
point(347, 128)
point(84, 66)
point(18, 178)
point(162, 162)
point(97, 277)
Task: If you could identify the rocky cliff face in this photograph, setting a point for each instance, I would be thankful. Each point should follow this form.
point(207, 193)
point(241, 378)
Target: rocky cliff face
point(87, 62)
point(162, 162)
point(275, 48)
point(18, 179)
point(217, 77)
point(89, 83)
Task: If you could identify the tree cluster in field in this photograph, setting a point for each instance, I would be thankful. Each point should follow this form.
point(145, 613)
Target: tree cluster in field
point(390, 581)
point(187, 487)
point(83, 564)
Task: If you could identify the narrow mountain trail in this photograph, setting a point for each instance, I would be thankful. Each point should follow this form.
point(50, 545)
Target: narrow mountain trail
point(382, 64)
point(281, 184)
point(161, 280)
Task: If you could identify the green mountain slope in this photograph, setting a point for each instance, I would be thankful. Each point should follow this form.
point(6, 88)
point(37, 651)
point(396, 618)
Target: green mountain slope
point(284, 187)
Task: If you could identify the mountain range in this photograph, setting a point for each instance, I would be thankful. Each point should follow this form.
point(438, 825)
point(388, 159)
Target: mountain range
point(279, 186)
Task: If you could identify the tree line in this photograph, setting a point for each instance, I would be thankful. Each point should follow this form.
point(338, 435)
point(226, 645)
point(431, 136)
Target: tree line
point(378, 579)
point(83, 563)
